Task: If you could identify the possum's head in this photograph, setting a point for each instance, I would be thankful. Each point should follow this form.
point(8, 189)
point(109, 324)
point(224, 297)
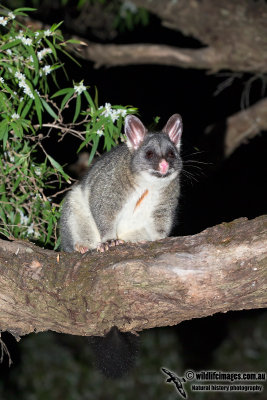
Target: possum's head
point(155, 155)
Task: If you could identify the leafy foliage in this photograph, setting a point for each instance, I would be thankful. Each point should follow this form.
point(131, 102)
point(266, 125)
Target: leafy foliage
point(30, 178)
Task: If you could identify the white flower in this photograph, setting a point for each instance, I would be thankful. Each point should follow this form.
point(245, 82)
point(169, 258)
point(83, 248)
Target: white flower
point(36, 34)
point(26, 41)
point(36, 234)
point(9, 52)
point(11, 15)
point(79, 88)
point(20, 76)
point(113, 114)
point(20, 35)
point(27, 90)
point(30, 229)
point(23, 218)
point(31, 59)
point(3, 21)
point(108, 110)
point(42, 53)
point(15, 116)
point(38, 171)
point(45, 70)
point(127, 6)
point(122, 112)
point(22, 83)
point(99, 132)
point(2, 80)
point(10, 156)
point(48, 32)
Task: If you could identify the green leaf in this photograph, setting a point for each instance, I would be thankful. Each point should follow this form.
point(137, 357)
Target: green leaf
point(3, 215)
point(94, 148)
point(4, 102)
point(74, 41)
point(16, 184)
point(24, 9)
point(61, 92)
point(77, 108)
point(19, 162)
point(39, 107)
point(16, 126)
point(5, 137)
point(58, 167)
point(57, 243)
point(54, 27)
point(8, 89)
point(49, 109)
point(51, 47)
point(89, 99)
point(26, 108)
point(4, 130)
point(49, 228)
point(35, 64)
point(66, 98)
point(10, 44)
point(96, 97)
point(85, 142)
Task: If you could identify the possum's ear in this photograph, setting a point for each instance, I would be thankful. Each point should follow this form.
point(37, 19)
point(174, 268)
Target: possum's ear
point(135, 132)
point(174, 128)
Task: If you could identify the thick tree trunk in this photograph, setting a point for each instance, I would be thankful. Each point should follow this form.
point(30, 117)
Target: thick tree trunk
point(134, 286)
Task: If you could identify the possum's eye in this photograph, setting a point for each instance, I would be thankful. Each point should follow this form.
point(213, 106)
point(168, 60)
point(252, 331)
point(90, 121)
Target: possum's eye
point(170, 154)
point(149, 154)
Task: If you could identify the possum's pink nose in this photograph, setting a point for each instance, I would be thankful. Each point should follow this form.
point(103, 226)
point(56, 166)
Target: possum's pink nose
point(163, 166)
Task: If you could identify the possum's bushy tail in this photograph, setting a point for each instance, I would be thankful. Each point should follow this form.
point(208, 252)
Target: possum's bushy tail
point(115, 353)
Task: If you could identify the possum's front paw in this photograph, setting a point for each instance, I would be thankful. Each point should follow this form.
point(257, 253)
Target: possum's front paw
point(110, 243)
point(81, 248)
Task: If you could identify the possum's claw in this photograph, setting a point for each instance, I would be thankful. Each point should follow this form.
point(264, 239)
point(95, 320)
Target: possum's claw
point(102, 247)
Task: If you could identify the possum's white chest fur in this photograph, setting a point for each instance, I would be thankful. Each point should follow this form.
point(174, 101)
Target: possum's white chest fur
point(135, 220)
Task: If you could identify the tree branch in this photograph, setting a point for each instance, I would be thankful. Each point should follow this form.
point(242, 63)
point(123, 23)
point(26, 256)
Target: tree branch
point(112, 55)
point(134, 286)
point(239, 128)
point(234, 36)
point(244, 125)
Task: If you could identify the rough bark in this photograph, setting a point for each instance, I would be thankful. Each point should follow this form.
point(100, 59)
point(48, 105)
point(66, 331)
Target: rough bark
point(135, 286)
point(235, 30)
point(112, 55)
point(236, 130)
point(244, 125)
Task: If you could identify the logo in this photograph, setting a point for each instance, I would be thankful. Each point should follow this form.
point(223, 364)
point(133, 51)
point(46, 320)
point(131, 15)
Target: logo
point(246, 382)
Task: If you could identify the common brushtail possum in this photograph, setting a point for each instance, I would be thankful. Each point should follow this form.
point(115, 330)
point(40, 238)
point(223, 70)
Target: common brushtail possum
point(129, 194)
